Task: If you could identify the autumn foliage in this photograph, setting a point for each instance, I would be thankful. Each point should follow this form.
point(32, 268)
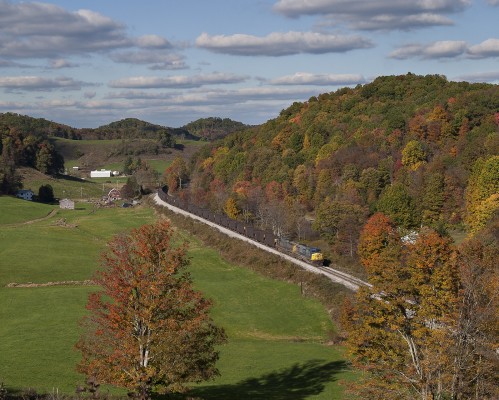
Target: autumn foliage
point(147, 329)
point(426, 327)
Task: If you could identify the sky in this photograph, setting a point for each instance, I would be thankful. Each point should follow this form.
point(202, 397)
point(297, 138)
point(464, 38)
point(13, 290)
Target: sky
point(88, 63)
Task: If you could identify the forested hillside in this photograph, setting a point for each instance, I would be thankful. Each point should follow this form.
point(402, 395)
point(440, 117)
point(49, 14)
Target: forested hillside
point(214, 128)
point(421, 149)
point(133, 128)
point(24, 141)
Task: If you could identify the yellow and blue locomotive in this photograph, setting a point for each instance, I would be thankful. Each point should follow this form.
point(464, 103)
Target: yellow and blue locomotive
point(306, 253)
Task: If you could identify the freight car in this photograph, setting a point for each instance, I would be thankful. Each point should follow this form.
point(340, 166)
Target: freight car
point(309, 254)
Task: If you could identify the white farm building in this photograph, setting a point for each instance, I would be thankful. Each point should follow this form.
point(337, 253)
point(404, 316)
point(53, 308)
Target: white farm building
point(103, 173)
point(67, 204)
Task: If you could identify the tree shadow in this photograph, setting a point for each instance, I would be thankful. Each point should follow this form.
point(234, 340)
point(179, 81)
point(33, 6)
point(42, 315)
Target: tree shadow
point(296, 382)
point(71, 178)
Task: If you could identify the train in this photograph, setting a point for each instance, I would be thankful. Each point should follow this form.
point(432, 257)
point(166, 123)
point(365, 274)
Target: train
point(305, 253)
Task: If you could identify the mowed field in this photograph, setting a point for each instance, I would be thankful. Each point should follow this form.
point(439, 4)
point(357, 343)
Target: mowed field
point(276, 337)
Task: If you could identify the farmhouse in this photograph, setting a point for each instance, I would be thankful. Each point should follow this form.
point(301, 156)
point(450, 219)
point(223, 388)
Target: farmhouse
point(103, 173)
point(25, 194)
point(67, 204)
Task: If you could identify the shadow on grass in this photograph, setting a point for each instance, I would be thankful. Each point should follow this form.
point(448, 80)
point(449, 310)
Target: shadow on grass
point(297, 382)
point(71, 178)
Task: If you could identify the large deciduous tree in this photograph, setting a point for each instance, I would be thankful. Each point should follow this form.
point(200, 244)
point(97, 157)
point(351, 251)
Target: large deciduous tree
point(396, 202)
point(148, 329)
point(482, 200)
point(175, 174)
point(476, 361)
point(401, 328)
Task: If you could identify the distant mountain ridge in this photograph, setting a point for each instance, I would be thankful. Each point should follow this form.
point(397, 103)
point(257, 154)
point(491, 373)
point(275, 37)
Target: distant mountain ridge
point(214, 128)
point(204, 128)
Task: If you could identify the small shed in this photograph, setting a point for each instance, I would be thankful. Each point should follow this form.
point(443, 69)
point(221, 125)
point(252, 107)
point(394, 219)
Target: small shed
point(25, 194)
point(67, 204)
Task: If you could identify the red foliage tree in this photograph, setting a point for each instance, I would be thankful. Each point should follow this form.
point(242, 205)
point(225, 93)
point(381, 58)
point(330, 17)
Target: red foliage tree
point(147, 330)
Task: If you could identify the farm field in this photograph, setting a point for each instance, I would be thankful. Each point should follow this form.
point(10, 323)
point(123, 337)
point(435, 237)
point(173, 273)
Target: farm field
point(69, 186)
point(103, 153)
point(275, 336)
point(16, 211)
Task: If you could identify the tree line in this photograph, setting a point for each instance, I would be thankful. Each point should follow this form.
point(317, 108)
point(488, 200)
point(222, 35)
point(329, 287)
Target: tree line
point(25, 143)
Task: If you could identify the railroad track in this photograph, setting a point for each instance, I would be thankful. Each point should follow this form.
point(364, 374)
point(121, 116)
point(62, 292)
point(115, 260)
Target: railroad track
point(349, 281)
point(347, 277)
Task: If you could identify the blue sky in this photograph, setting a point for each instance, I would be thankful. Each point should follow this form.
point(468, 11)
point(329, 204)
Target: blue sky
point(88, 63)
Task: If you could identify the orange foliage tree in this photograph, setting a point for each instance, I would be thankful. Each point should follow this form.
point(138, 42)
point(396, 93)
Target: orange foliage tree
point(401, 328)
point(175, 174)
point(475, 353)
point(147, 329)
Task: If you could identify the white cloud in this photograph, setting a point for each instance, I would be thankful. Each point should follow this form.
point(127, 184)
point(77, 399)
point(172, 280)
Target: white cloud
point(488, 48)
point(435, 50)
point(153, 41)
point(304, 78)
point(219, 96)
point(59, 63)
point(42, 30)
point(13, 64)
point(493, 2)
point(180, 81)
point(491, 77)
point(447, 49)
point(379, 14)
point(157, 58)
point(406, 22)
point(36, 83)
point(37, 30)
point(281, 44)
point(240, 96)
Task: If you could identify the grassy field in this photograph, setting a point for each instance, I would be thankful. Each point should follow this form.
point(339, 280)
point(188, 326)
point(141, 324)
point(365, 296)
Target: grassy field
point(276, 336)
point(69, 186)
point(99, 153)
point(18, 211)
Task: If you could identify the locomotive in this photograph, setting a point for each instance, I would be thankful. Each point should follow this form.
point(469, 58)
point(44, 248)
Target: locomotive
point(309, 254)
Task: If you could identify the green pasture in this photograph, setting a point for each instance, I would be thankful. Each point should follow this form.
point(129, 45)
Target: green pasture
point(85, 142)
point(159, 164)
point(50, 251)
point(38, 332)
point(14, 210)
point(276, 337)
point(71, 187)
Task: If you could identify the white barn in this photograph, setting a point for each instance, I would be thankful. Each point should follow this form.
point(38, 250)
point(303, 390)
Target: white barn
point(103, 173)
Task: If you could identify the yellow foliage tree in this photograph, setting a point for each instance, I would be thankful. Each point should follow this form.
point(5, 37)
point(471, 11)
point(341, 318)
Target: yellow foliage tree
point(413, 155)
point(401, 328)
point(482, 193)
point(231, 208)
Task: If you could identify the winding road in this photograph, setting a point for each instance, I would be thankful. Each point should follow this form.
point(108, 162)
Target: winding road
point(347, 280)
